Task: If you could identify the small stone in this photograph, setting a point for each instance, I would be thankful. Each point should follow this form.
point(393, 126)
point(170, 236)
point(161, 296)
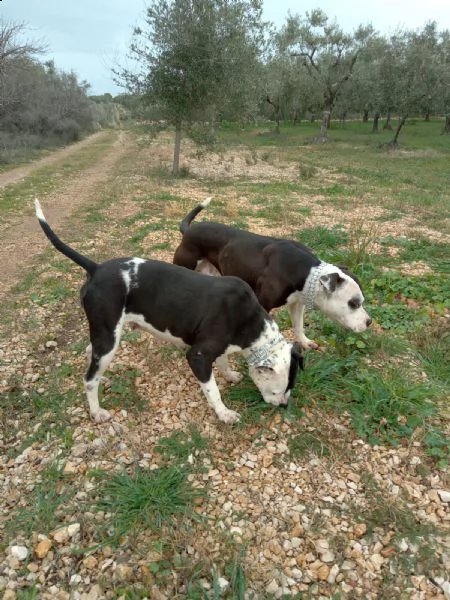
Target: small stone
point(124, 572)
point(90, 562)
point(19, 552)
point(60, 535)
point(327, 556)
point(267, 460)
point(360, 530)
point(377, 560)
point(223, 584)
point(388, 551)
point(444, 495)
point(73, 529)
point(334, 572)
point(9, 595)
point(42, 548)
point(75, 579)
point(323, 572)
point(32, 567)
point(69, 468)
point(272, 587)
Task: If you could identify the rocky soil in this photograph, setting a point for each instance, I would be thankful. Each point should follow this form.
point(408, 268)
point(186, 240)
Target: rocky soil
point(356, 521)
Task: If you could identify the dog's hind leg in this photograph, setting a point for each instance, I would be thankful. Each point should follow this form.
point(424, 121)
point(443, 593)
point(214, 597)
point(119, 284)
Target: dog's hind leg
point(104, 344)
point(297, 310)
point(227, 372)
point(201, 366)
point(186, 257)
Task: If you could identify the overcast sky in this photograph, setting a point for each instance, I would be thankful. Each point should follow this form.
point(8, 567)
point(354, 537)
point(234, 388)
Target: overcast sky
point(89, 36)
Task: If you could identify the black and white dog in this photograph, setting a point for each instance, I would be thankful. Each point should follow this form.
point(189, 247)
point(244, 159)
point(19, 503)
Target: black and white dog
point(279, 271)
point(212, 316)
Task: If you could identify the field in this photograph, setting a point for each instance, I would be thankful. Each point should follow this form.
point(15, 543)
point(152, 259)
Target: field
point(343, 495)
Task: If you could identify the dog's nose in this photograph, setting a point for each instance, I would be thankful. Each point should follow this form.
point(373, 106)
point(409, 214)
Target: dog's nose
point(284, 405)
point(368, 321)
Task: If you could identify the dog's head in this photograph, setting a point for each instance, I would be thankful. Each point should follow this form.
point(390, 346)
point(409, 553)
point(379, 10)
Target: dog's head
point(275, 374)
point(339, 296)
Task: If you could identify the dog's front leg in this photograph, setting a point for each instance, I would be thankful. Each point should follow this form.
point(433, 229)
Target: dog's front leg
point(297, 310)
point(201, 366)
point(227, 372)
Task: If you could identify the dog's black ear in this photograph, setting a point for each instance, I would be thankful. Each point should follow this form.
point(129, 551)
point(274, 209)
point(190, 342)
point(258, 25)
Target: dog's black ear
point(297, 355)
point(347, 271)
point(331, 281)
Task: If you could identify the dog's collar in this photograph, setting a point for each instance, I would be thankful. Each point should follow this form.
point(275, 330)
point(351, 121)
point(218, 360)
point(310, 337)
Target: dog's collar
point(259, 357)
point(313, 279)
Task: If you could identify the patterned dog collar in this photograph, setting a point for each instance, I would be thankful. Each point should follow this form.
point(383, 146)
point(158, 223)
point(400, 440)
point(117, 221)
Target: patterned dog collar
point(310, 293)
point(259, 356)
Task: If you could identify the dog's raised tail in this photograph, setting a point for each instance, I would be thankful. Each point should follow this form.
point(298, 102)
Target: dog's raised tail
point(86, 263)
point(184, 225)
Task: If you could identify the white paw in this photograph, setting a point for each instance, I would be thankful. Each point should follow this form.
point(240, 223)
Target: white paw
point(233, 376)
point(229, 416)
point(308, 344)
point(101, 416)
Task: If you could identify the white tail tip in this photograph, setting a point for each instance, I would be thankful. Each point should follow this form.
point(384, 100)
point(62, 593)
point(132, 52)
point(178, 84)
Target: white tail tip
point(39, 213)
point(205, 203)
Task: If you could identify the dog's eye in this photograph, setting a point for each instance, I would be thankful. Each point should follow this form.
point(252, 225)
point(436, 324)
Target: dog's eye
point(354, 304)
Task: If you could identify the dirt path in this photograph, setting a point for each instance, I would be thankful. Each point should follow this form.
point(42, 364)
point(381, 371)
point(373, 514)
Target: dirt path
point(15, 175)
point(22, 240)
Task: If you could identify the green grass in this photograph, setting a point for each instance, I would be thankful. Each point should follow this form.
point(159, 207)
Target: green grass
point(146, 500)
point(45, 506)
point(389, 385)
point(181, 444)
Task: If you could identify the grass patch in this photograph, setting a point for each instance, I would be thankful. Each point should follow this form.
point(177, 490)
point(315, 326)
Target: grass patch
point(306, 443)
point(121, 391)
point(181, 444)
point(146, 500)
point(327, 243)
point(246, 399)
point(45, 506)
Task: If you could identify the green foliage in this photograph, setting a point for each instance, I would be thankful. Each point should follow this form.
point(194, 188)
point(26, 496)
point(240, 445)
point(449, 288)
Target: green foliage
point(54, 108)
point(326, 242)
point(304, 443)
point(146, 500)
point(180, 445)
point(45, 509)
point(121, 390)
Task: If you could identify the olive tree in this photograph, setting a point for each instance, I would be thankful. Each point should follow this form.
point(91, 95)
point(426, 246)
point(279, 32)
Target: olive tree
point(197, 59)
point(325, 52)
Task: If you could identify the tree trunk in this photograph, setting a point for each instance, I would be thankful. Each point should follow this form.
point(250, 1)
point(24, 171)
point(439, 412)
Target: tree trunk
point(394, 142)
point(365, 115)
point(447, 124)
point(376, 118)
point(277, 112)
point(323, 136)
point(388, 125)
point(176, 150)
point(427, 115)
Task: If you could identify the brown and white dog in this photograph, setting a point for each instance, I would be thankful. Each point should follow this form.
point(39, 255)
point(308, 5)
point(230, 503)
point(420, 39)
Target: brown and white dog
point(212, 317)
point(279, 271)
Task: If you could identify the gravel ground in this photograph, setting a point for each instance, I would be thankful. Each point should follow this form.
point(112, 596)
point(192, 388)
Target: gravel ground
point(325, 525)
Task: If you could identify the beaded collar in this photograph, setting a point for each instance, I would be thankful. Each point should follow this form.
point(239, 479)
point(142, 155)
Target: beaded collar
point(259, 356)
point(313, 279)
